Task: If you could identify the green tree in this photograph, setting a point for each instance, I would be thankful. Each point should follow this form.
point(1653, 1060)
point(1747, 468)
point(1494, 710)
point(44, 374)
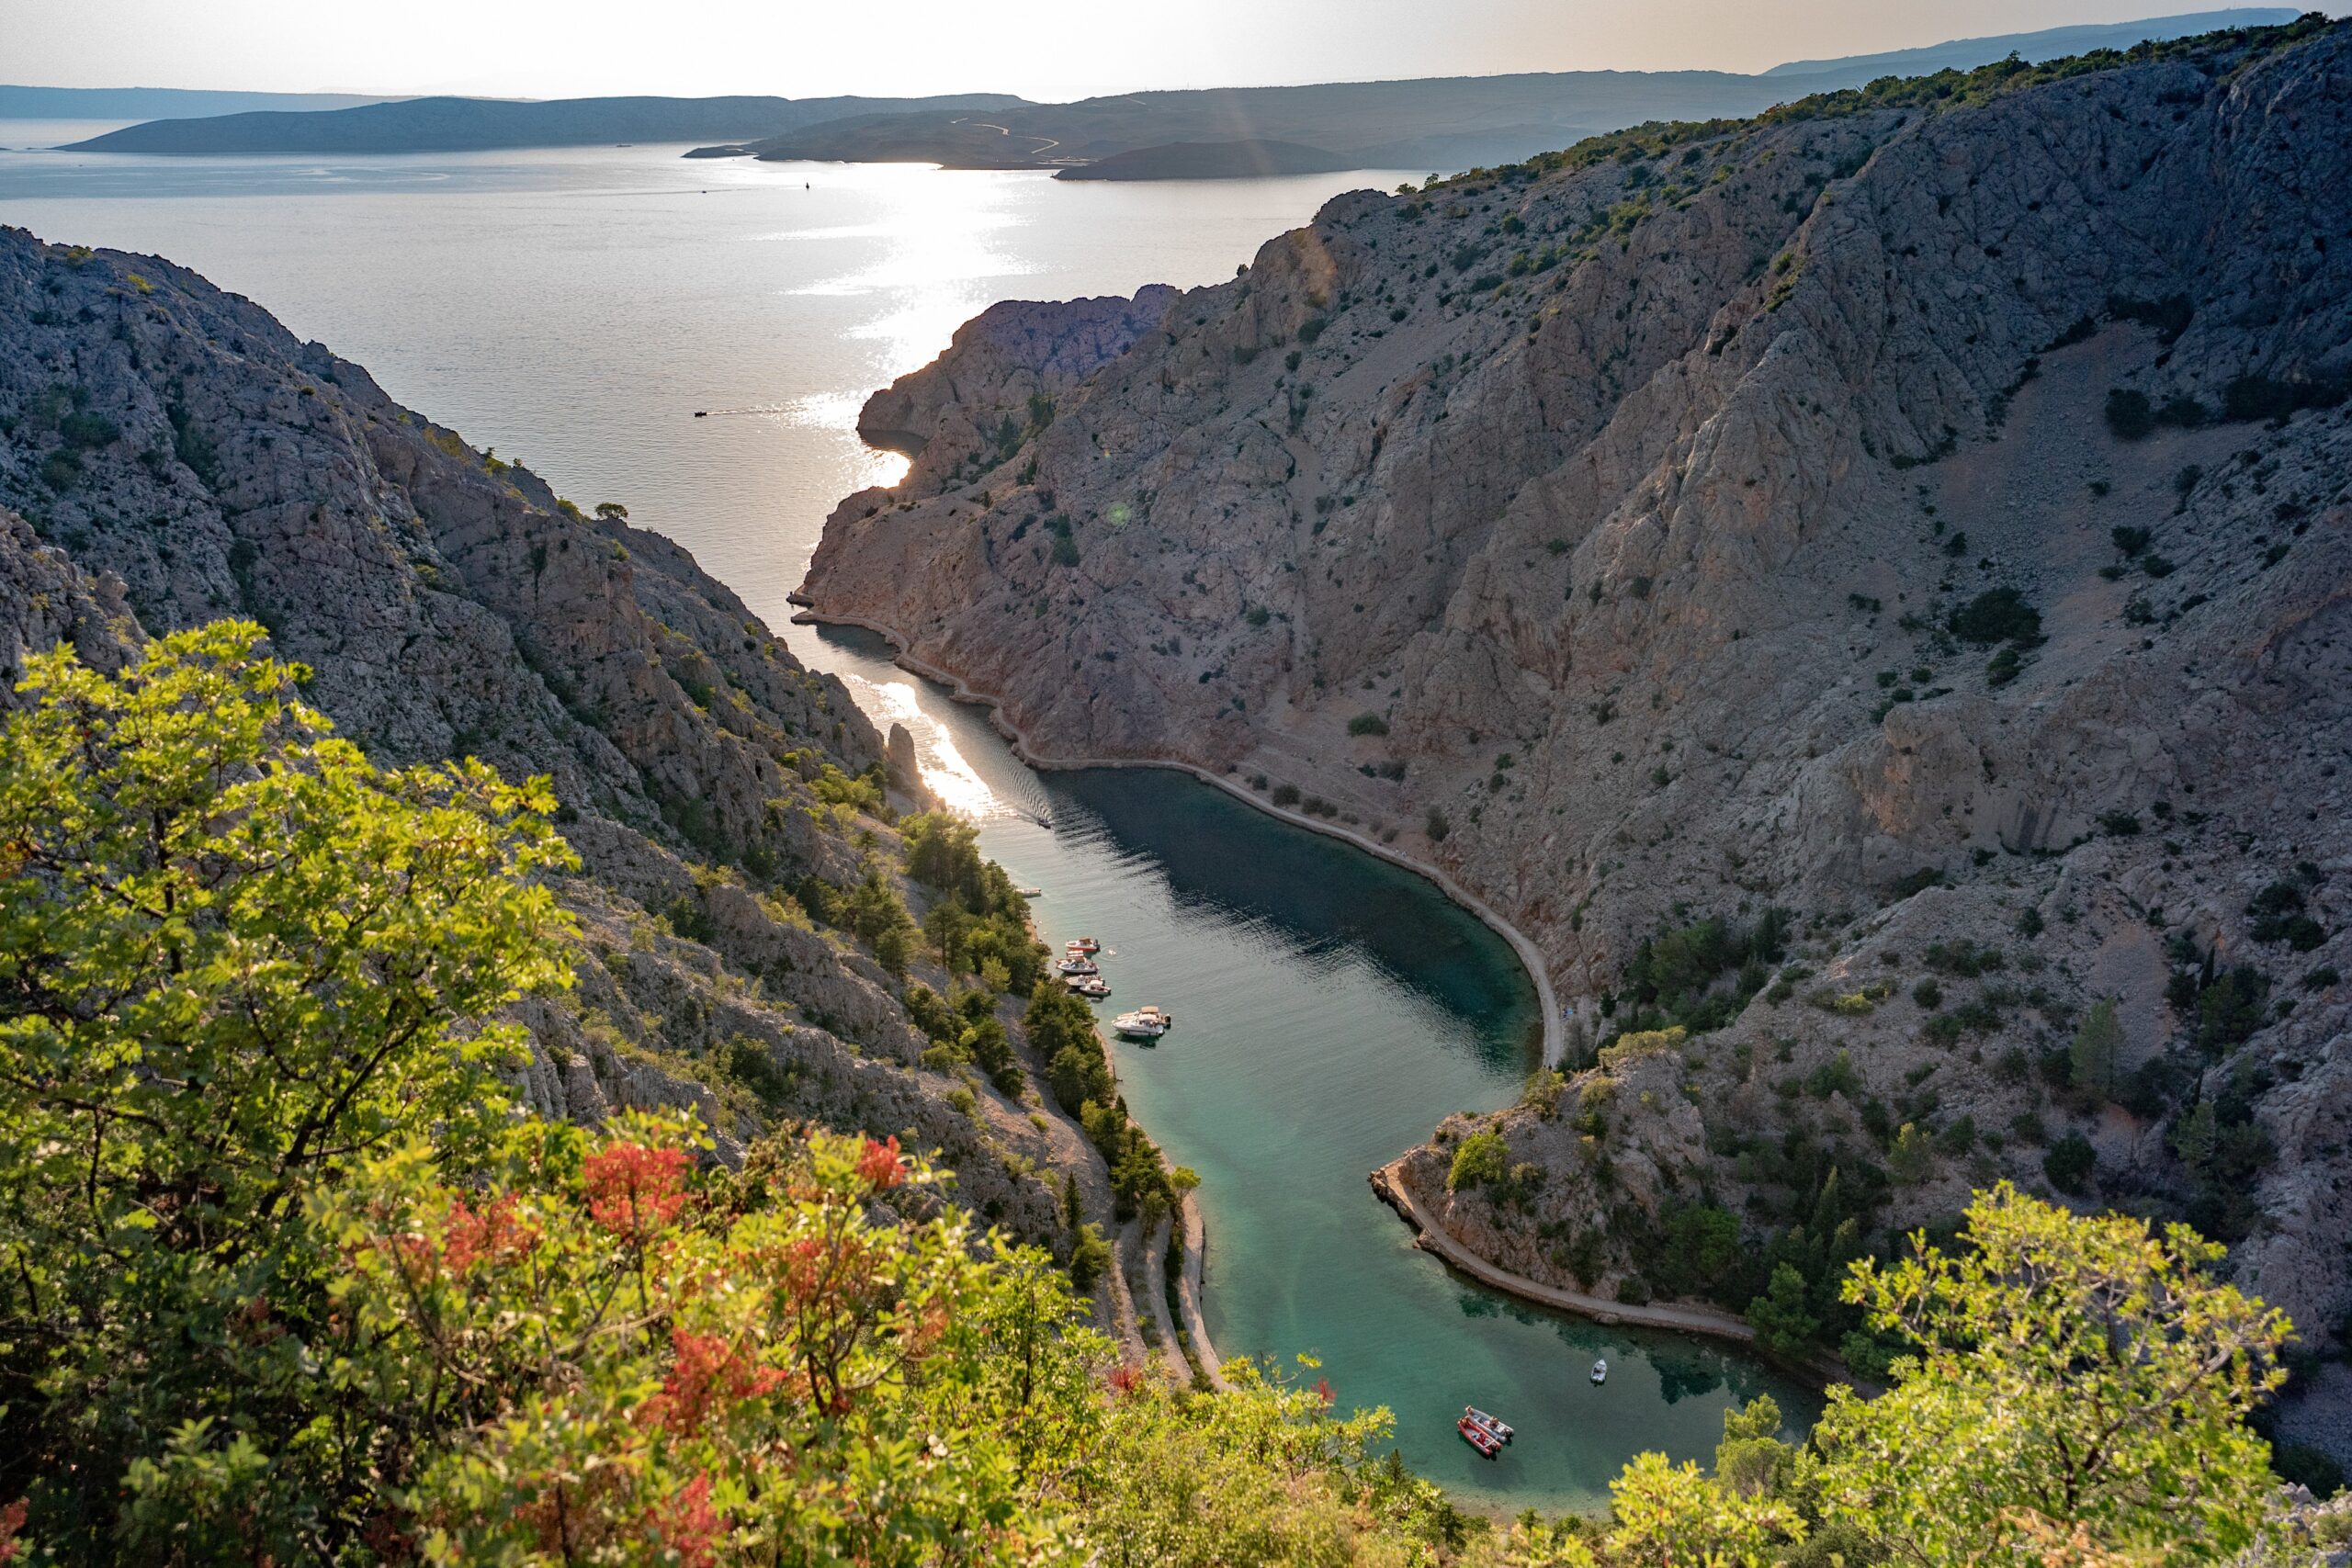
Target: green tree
point(892, 948)
point(236, 960)
point(1090, 1258)
point(2095, 1058)
point(1701, 1250)
point(1667, 1515)
point(1784, 1323)
point(2068, 1374)
point(1484, 1159)
point(946, 925)
point(2196, 1137)
point(1751, 1461)
point(1912, 1158)
point(2068, 1163)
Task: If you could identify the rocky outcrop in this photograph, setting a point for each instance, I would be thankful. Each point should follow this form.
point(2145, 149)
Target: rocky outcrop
point(169, 455)
point(1010, 363)
point(1922, 513)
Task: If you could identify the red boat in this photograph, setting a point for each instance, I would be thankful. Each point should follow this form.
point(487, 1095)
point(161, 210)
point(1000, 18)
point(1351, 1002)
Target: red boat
point(1479, 1438)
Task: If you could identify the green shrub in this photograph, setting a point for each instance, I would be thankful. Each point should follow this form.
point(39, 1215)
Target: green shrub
point(2069, 1163)
point(1997, 615)
point(2129, 414)
point(1482, 1159)
point(1367, 724)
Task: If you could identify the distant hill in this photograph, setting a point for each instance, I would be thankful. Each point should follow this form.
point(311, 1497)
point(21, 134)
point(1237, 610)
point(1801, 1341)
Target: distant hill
point(1507, 116)
point(155, 103)
point(1434, 123)
point(453, 125)
point(2053, 43)
point(1210, 160)
point(1444, 123)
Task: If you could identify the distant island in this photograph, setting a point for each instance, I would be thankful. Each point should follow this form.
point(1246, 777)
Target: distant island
point(1429, 124)
point(462, 125)
point(1210, 160)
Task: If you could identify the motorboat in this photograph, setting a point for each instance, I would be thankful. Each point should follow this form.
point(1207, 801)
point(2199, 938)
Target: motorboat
point(1498, 1429)
point(1083, 944)
point(1479, 1438)
point(1031, 892)
point(1079, 963)
point(1144, 1024)
point(1601, 1371)
point(1094, 988)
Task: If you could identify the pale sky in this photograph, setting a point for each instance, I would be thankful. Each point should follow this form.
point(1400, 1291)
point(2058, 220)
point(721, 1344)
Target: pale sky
point(1040, 49)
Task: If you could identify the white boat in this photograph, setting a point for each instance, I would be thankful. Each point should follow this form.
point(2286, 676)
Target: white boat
point(1094, 988)
point(1498, 1429)
point(1083, 945)
point(1081, 964)
point(1600, 1371)
point(1031, 892)
point(1144, 1024)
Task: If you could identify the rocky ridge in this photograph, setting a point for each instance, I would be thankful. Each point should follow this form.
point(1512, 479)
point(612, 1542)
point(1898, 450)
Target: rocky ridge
point(1910, 528)
point(169, 455)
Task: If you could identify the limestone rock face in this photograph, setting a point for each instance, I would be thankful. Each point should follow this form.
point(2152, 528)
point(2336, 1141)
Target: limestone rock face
point(1926, 517)
point(172, 456)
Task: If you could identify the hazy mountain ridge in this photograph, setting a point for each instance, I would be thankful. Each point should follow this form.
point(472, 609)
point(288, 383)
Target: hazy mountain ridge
point(2050, 43)
point(456, 124)
point(1440, 123)
point(176, 457)
point(156, 103)
point(1628, 534)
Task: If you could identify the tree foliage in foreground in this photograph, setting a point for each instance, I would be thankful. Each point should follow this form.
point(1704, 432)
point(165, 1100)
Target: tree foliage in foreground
point(2082, 1372)
point(286, 1277)
point(236, 962)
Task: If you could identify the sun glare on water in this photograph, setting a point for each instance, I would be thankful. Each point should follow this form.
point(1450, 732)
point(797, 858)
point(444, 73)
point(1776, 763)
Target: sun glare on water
point(944, 768)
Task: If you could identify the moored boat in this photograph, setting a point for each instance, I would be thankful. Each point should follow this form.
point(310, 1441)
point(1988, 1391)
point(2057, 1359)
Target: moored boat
point(1094, 988)
point(1499, 1428)
point(1479, 1438)
point(1079, 966)
point(1083, 945)
point(1144, 1024)
point(1601, 1371)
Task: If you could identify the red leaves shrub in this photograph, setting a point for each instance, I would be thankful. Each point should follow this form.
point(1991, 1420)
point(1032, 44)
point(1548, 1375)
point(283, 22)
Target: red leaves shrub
point(708, 1377)
point(689, 1526)
point(881, 1166)
point(494, 1236)
point(634, 1190)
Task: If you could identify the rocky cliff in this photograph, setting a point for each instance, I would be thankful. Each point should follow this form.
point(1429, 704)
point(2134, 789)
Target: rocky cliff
point(1859, 586)
point(170, 455)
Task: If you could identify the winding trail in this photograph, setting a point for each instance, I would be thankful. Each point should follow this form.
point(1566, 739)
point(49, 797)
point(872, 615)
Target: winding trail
point(1188, 1296)
point(1389, 1181)
point(1126, 1328)
point(1151, 1253)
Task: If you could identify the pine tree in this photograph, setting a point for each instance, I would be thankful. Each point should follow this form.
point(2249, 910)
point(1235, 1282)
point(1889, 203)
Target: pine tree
point(2097, 1053)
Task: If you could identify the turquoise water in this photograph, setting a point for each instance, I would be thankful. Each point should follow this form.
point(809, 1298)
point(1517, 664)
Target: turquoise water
point(1330, 1009)
point(573, 308)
